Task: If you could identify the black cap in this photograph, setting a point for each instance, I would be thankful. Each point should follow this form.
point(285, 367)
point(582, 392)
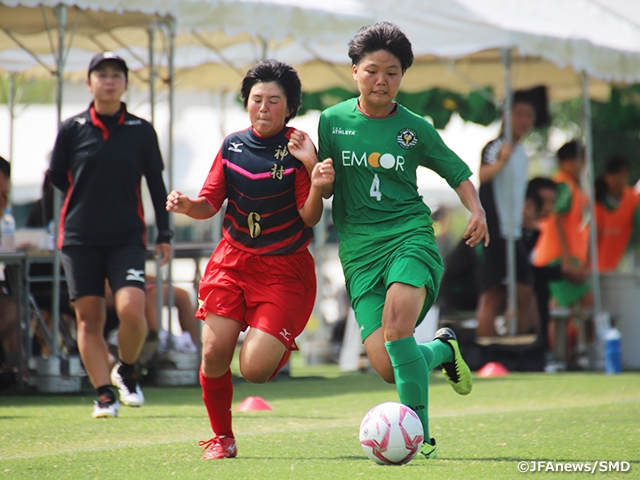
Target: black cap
point(103, 57)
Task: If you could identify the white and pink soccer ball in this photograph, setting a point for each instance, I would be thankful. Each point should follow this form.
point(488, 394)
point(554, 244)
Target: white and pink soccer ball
point(391, 434)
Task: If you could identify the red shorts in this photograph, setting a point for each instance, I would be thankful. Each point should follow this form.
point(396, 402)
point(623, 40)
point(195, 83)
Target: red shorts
point(272, 293)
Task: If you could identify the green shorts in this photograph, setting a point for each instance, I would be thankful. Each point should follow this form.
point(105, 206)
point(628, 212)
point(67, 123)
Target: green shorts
point(412, 258)
point(566, 293)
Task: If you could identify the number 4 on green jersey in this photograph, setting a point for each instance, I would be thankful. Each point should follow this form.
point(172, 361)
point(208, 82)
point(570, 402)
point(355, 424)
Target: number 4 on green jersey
point(374, 191)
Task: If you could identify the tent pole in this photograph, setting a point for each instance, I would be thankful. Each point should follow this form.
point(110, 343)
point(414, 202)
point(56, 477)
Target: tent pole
point(172, 45)
point(152, 106)
point(593, 238)
point(61, 15)
point(512, 301)
point(11, 101)
point(152, 74)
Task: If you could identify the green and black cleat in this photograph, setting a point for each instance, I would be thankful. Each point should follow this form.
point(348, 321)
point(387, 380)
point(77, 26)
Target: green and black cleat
point(456, 372)
point(428, 450)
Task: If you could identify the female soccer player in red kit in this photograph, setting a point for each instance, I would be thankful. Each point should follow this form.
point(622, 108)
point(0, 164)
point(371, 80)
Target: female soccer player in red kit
point(261, 275)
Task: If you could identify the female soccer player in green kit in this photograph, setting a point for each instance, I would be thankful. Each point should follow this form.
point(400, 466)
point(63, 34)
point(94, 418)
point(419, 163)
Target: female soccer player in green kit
point(387, 245)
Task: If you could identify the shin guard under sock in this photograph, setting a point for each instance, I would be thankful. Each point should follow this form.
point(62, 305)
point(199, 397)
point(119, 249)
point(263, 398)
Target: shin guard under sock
point(411, 376)
point(217, 394)
point(436, 353)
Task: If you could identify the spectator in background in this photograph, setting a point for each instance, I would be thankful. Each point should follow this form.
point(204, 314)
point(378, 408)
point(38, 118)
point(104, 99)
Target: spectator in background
point(564, 235)
point(460, 282)
point(504, 173)
point(40, 216)
point(41, 212)
point(8, 309)
point(541, 198)
point(5, 184)
point(617, 213)
point(181, 301)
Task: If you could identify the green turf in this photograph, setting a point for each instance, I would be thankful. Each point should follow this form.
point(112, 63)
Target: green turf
point(312, 432)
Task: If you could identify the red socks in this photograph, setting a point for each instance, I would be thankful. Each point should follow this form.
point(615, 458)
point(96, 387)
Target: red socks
point(217, 394)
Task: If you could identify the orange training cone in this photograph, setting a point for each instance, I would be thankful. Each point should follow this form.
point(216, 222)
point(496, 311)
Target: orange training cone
point(253, 403)
point(493, 369)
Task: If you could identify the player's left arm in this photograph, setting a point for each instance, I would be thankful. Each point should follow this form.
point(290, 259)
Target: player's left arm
point(301, 146)
point(153, 173)
point(476, 230)
point(158, 192)
point(324, 150)
point(322, 177)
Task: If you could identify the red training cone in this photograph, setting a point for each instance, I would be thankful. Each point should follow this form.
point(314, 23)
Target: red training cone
point(253, 403)
point(493, 369)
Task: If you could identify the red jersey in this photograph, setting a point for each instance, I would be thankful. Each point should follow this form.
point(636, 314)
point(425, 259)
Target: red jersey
point(265, 186)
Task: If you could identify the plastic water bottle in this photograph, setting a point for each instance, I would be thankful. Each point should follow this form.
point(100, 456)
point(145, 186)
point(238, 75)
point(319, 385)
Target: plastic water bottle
point(8, 231)
point(613, 351)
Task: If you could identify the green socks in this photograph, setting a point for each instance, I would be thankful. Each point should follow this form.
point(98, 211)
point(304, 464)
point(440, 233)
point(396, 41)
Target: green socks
point(411, 376)
point(436, 353)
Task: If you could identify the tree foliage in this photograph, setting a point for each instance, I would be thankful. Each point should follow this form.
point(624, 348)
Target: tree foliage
point(27, 91)
point(615, 126)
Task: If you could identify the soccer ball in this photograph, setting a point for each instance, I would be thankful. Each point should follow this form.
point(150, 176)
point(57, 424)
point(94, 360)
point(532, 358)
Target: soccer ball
point(391, 434)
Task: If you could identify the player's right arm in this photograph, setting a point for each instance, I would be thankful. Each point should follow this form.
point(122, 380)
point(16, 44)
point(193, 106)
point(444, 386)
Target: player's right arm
point(198, 208)
point(209, 199)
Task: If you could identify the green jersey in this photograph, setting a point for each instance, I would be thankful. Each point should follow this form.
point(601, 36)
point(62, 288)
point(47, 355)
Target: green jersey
point(384, 227)
point(375, 162)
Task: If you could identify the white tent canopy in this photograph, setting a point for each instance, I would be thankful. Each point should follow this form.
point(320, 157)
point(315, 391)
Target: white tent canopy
point(457, 44)
point(91, 25)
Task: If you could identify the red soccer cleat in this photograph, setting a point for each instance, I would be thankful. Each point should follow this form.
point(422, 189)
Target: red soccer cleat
point(218, 447)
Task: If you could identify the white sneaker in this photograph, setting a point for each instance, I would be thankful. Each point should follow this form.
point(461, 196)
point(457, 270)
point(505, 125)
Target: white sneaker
point(129, 388)
point(105, 410)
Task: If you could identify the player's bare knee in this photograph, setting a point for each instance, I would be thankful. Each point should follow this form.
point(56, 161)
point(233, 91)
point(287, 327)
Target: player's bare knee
point(209, 354)
point(131, 313)
point(135, 325)
point(90, 324)
point(394, 329)
point(252, 374)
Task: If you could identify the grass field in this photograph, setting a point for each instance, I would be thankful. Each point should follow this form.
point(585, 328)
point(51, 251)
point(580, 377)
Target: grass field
point(312, 431)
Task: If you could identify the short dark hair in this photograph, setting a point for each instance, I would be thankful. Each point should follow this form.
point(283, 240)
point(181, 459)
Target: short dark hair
point(617, 163)
point(535, 185)
point(278, 72)
point(5, 167)
point(381, 36)
point(570, 151)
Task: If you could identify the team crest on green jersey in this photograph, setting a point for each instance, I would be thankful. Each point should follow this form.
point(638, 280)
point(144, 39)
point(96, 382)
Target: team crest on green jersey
point(407, 138)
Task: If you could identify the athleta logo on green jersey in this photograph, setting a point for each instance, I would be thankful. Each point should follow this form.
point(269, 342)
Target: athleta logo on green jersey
point(407, 138)
point(340, 131)
point(375, 159)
